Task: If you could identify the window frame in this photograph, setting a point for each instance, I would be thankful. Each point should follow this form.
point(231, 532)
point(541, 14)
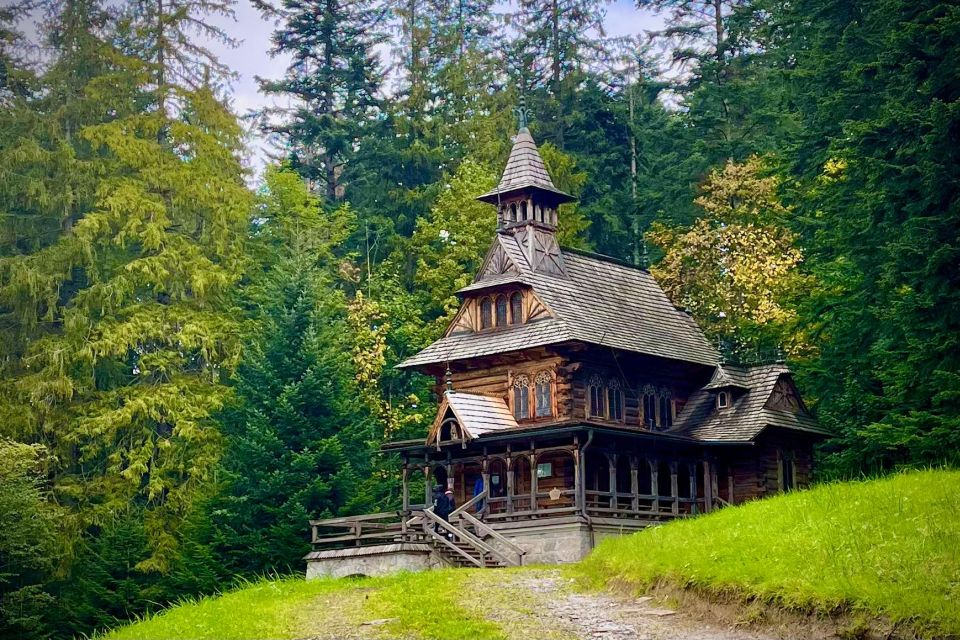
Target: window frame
point(486, 313)
point(723, 400)
point(516, 305)
point(543, 379)
point(502, 298)
point(521, 397)
point(615, 400)
point(596, 397)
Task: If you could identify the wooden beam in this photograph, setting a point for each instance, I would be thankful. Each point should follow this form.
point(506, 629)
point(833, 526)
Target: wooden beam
point(634, 484)
point(707, 487)
point(612, 475)
point(692, 470)
point(674, 488)
point(655, 482)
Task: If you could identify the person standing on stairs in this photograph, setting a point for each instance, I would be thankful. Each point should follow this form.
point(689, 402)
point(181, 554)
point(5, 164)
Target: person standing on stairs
point(445, 506)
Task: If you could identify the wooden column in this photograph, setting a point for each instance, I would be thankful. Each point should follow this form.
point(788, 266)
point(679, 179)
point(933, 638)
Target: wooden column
point(707, 487)
point(655, 483)
point(634, 485)
point(730, 484)
point(674, 488)
point(533, 481)
point(485, 474)
point(405, 478)
point(448, 465)
point(509, 481)
point(612, 474)
point(692, 470)
point(427, 493)
point(577, 483)
point(714, 482)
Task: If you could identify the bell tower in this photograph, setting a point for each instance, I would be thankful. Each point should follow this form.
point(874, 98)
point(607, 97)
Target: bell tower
point(527, 203)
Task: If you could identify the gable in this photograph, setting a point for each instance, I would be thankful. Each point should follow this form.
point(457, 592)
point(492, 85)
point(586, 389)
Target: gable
point(785, 397)
point(497, 262)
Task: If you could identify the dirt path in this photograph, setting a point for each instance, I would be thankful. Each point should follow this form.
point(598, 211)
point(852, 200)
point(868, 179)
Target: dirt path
point(550, 608)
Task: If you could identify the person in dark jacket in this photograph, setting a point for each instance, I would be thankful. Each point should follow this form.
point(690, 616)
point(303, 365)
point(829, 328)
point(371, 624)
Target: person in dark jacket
point(445, 506)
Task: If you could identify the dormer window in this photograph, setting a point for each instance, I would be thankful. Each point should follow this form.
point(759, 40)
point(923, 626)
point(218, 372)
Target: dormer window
point(501, 311)
point(486, 313)
point(723, 400)
point(516, 308)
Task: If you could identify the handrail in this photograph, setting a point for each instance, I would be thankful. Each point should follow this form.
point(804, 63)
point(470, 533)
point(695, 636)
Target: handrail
point(466, 536)
point(462, 508)
point(433, 534)
point(496, 536)
point(460, 533)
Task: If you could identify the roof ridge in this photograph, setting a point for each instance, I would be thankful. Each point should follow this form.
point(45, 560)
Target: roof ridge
point(604, 258)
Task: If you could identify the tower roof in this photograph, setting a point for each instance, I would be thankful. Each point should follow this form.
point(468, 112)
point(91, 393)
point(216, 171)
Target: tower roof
point(525, 171)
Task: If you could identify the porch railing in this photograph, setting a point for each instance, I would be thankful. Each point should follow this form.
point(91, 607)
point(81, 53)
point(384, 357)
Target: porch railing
point(358, 531)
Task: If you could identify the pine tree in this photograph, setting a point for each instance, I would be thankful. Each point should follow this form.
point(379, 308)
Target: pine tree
point(126, 381)
point(557, 42)
point(875, 89)
point(297, 434)
point(334, 80)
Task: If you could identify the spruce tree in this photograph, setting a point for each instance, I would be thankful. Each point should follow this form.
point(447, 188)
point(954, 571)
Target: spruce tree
point(333, 81)
point(297, 435)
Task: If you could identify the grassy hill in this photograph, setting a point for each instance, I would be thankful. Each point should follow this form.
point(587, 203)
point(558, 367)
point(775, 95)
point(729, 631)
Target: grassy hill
point(887, 547)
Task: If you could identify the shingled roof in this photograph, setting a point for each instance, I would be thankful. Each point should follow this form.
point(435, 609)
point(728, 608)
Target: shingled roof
point(599, 301)
point(749, 414)
point(476, 414)
point(525, 169)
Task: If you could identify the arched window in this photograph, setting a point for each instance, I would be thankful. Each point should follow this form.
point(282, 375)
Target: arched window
point(649, 407)
point(666, 410)
point(486, 313)
point(513, 212)
point(615, 400)
point(723, 400)
point(501, 311)
point(516, 308)
point(544, 394)
point(449, 430)
point(523, 210)
point(595, 396)
point(521, 397)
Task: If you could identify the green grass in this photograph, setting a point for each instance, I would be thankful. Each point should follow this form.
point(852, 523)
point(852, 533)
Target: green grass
point(435, 604)
point(888, 547)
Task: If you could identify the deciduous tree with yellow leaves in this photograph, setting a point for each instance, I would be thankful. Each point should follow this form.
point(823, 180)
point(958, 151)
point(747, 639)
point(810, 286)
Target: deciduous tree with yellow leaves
point(737, 267)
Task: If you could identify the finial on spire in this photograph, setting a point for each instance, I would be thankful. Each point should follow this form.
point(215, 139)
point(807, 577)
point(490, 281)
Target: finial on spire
point(644, 255)
point(522, 112)
point(449, 377)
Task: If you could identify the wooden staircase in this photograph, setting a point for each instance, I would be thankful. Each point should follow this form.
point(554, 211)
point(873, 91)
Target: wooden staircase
point(482, 547)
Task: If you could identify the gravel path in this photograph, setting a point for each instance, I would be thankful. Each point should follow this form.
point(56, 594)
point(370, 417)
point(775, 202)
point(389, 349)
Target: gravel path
point(561, 612)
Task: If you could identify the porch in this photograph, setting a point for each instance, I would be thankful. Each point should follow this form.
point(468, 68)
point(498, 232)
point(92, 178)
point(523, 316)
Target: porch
point(547, 499)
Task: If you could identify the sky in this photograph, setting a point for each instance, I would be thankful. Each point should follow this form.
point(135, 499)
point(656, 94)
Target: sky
point(252, 58)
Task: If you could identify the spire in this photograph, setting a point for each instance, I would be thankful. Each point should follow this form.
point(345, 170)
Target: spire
point(528, 203)
point(525, 173)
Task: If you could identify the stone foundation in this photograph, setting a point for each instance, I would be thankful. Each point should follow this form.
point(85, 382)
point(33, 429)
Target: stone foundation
point(553, 542)
point(371, 561)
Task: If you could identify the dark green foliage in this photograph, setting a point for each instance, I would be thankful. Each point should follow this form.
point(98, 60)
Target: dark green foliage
point(880, 150)
point(28, 543)
point(297, 435)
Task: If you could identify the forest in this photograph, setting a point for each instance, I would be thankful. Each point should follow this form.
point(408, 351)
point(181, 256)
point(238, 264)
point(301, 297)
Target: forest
point(196, 357)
